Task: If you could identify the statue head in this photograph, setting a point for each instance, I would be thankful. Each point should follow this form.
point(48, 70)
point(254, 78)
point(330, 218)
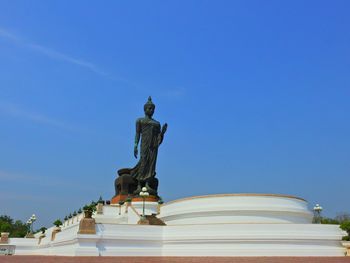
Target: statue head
point(149, 107)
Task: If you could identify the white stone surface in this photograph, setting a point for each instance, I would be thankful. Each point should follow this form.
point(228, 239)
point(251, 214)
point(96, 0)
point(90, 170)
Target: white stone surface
point(219, 225)
point(236, 208)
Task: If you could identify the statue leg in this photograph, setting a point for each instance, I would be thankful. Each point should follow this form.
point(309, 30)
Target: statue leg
point(152, 186)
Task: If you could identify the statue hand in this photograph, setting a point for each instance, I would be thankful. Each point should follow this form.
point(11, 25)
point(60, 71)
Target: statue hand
point(164, 128)
point(135, 152)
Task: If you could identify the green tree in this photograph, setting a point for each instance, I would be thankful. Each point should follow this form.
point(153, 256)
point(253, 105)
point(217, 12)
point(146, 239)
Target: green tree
point(342, 217)
point(16, 229)
point(346, 227)
point(329, 221)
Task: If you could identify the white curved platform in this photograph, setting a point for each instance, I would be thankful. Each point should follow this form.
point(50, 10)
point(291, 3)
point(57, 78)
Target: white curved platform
point(213, 225)
point(236, 208)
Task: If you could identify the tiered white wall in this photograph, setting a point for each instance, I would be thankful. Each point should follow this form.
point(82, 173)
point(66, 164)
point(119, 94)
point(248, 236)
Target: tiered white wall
point(219, 225)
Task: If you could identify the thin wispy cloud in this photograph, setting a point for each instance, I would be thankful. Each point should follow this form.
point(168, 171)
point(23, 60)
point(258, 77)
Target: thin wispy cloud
point(8, 35)
point(60, 56)
point(51, 53)
point(19, 112)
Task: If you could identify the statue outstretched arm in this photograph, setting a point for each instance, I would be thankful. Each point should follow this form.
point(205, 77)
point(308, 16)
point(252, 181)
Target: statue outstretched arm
point(161, 135)
point(137, 137)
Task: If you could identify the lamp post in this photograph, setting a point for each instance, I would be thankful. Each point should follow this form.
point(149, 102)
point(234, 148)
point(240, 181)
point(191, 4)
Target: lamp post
point(30, 223)
point(160, 202)
point(317, 213)
point(120, 206)
point(33, 219)
point(144, 194)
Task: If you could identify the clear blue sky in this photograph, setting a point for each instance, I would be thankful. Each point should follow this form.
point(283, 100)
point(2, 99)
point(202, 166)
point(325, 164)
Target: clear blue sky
point(256, 95)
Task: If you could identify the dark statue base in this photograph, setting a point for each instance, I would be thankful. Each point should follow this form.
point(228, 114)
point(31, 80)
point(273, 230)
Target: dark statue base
point(119, 198)
point(126, 187)
point(125, 184)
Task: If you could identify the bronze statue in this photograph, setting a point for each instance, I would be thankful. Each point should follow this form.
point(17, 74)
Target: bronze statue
point(131, 181)
point(151, 137)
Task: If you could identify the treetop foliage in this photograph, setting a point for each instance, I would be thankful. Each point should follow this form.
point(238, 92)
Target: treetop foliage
point(15, 228)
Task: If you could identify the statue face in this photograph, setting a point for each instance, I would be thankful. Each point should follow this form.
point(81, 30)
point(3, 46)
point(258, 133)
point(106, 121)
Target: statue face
point(149, 110)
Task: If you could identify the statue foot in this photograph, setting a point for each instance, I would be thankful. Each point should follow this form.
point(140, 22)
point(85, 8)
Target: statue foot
point(150, 190)
point(138, 190)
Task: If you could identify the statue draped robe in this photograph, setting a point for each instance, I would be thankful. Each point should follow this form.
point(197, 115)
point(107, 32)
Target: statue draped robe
point(151, 138)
